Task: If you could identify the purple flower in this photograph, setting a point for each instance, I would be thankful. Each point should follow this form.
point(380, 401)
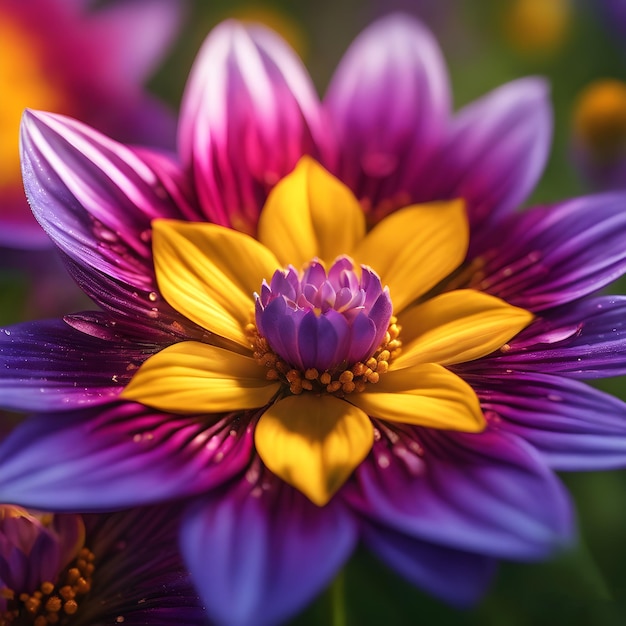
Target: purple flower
point(61, 56)
point(187, 386)
point(93, 569)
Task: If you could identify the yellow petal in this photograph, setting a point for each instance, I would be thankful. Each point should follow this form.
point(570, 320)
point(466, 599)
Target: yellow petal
point(458, 326)
point(210, 273)
point(310, 214)
point(194, 377)
point(423, 395)
point(313, 443)
point(416, 247)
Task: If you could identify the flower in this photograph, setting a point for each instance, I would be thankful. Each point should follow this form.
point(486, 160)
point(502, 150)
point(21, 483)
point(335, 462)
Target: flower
point(356, 227)
point(599, 133)
point(95, 569)
point(324, 351)
point(60, 56)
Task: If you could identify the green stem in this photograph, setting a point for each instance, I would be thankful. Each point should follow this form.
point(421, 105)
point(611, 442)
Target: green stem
point(338, 601)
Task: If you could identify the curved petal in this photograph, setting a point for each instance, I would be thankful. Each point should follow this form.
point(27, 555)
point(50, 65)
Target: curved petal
point(194, 377)
point(249, 112)
point(416, 247)
point(140, 572)
point(49, 366)
point(93, 196)
point(310, 214)
point(313, 443)
point(258, 535)
point(550, 256)
point(586, 339)
point(457, 326)
point(456, 577)
point(423, 395)
point(96, 199)
point(119, 455)
point(575, 427)
point(387, 144)
point(210, 274)
point(489, 494)
point(497, 149)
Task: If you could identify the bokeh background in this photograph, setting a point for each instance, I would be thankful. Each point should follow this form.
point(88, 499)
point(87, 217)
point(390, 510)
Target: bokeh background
point(486, 43)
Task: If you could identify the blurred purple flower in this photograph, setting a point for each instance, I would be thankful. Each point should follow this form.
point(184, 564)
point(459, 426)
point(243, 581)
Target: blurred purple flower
point(93, 570)
point(439, 506)
point(62, 56)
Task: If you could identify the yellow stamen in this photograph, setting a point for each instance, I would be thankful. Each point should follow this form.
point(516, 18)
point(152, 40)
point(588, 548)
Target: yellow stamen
point(46, 605)
point(340, 381)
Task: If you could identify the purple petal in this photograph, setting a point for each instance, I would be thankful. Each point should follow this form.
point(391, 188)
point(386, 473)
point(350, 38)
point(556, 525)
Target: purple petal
point(389, 103)
point(249, 113)
point(49, 366)
point(574, 426)
point(307, 342)
point(456, 577)
point(140, 574)
point(363, 336)
point(261, 551)
point(44, 561)
point(490, 493)
point(96, 198)
point(119, 455)
point(497, 149)
point(549, 256)
point(281, 330)
point(380, 314)
point(586, 339)
point(332, 339)
point(133, 313)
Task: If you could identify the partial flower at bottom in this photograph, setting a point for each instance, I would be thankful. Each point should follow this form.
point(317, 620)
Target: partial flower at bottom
point(74, 570)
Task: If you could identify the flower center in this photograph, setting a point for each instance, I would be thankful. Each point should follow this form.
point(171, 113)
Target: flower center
point(325, 332)
point(51, 603)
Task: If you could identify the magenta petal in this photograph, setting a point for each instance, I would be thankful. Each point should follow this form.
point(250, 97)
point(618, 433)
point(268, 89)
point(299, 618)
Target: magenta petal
point(574, 426)
point(459, 578)
point(497, 149)
point(49, 366)
point(549, 256)
point(490, 493)
point(249, 112)
point(389, 104)
point(119, 455)
point(259, 552)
